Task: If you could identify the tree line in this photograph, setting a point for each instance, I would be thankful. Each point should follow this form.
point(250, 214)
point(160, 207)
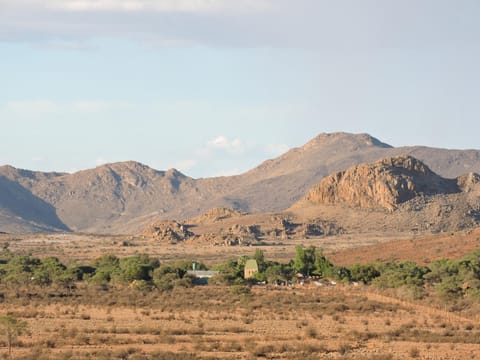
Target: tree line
point(449, 279)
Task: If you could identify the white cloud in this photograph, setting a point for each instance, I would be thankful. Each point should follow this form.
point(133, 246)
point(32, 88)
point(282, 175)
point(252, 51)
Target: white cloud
point(220, 153)
point(319, 24)
point(73, 24)
point(143, 5)
point(234, 146)
point(32, 108)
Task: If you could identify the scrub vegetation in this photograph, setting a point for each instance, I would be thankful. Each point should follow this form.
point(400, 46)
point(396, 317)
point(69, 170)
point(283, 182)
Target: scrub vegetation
point(138, 307)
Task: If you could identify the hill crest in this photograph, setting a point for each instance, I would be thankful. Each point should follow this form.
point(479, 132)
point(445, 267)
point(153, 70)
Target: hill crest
point(125, 197)
point(385, 183)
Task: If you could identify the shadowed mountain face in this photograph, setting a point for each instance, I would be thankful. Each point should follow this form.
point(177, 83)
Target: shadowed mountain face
point(125, 197)
point(30, 212)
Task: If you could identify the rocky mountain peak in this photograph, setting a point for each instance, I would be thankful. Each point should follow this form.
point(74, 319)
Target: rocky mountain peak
point(385, 184)
point(345, 139)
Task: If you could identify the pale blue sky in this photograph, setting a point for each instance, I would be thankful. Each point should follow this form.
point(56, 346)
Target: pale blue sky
point(214, 87)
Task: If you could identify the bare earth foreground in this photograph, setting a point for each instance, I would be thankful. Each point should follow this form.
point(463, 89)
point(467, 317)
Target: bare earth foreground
point(230, 323)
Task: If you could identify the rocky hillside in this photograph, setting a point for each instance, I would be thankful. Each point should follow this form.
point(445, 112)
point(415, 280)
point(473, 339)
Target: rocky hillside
point(394, 195)
point(384, 184)
point(125, 197)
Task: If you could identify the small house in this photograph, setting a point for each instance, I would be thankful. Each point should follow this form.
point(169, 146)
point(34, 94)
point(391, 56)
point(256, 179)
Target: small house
point(201, 277)
point(251, 267)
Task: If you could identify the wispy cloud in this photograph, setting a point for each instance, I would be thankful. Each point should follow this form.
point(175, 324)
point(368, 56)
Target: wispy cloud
point(157, 5)
point(68, 23)
point(317, 24)
point(221, 152)
point(32, 109)
point(71, 45)
point(222, 143)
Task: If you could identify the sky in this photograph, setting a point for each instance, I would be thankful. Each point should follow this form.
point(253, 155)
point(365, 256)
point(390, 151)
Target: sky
point(215, 87)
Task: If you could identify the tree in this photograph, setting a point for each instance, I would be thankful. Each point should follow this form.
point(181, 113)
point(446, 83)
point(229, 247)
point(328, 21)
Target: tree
point(11, 328)
point(299, 264)
point(407, 273)
point(106, 267)
point(167, 276)
point(49, 271)
point(138, 267)
point(259, 256)
point(231, 272)
point(310, 261)
point(322, 266)
point(278, 272)
point(363, 273)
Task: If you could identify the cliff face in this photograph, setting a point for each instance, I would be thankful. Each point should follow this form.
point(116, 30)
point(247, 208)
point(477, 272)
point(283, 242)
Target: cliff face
point(383, 184)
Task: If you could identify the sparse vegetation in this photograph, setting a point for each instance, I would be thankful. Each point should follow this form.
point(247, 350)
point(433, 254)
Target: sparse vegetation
point(147, 309)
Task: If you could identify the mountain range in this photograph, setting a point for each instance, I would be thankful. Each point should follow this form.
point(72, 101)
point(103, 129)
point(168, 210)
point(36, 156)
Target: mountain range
point(125, 197)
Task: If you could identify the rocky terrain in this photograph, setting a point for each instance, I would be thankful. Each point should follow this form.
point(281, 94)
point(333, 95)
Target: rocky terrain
point(238, 229)
point(386, 183)
point(126, 197)
point(399, 194)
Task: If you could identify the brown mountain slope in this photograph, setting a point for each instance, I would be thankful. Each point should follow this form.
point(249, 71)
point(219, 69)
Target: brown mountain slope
point(392, 195)
point(385, 183)
point(278, 183)
point(124, 197)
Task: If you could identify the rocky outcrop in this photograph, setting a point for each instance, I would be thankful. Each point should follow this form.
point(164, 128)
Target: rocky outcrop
point(469, 182)
point(169, 231)
point(383, 184)
point(216, 215)
point(239, 229)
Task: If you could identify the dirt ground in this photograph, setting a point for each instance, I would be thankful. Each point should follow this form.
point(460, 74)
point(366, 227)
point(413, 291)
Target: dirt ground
point(86, 247)
point(344, 249)
point(226, 323)
point(422, 249)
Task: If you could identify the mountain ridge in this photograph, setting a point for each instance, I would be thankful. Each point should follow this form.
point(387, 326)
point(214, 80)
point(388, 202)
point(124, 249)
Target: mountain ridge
point(123, 197)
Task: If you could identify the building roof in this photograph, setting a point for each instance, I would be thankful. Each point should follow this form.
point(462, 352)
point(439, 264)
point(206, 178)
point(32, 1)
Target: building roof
point(251, 265)
point(202, 273)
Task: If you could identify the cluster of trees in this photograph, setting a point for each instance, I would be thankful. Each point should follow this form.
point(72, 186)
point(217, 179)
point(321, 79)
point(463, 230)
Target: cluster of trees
point(140, 271)
point(450, 279)
point(308, 261)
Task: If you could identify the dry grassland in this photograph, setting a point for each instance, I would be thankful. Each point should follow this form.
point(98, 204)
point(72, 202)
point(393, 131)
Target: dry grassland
point(85, 247)
point(235, 323)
